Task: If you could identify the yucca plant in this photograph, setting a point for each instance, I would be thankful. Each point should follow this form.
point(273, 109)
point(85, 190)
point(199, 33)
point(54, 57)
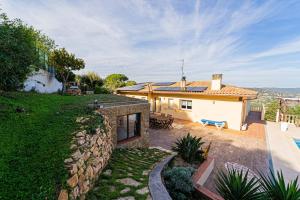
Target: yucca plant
point(276, 188)
point(188, 148)
point(235, 185)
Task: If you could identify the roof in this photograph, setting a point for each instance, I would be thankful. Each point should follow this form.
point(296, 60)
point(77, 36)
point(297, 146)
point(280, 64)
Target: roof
point(226, 90)
point(108, 101)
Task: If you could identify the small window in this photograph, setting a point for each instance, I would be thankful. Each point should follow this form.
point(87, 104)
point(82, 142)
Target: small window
point(186, 104)
point(171, 104)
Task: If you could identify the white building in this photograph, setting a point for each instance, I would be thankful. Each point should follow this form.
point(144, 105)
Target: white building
point(42, 81)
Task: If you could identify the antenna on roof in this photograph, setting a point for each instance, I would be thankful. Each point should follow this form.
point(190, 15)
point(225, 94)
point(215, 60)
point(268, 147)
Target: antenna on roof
point(182, 73)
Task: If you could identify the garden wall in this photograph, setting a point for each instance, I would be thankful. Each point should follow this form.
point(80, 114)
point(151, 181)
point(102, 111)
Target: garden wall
point(91, 153)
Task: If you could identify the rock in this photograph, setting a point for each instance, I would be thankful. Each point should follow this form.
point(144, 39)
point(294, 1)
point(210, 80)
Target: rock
point(89, 172)
point(149, 197)
point(69, 160)
point(146, 172)
point(126, 198)
point(78, 119)
point(129, 174)
point(142, 191)
point(80, 171)
point(73, 147)
point(63, 195)
point(75, 192)
point(76, 155)
point(81, 141)
point(129, 168)
point(72, 182)
point(97, 168)
point(129, 181)
point(86, 156)
point(73, 169)
point(99, 141)
point(125, 190)
point(80, 134)
point(107, 172)
point(96, 152)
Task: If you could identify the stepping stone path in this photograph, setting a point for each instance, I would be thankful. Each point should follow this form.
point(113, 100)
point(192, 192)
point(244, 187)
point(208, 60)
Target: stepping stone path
point(129, 181)
point(125, 190)
point(112, 188)
point(107, 172)
point(146, 172)
point(126, 198)
point(142, 191)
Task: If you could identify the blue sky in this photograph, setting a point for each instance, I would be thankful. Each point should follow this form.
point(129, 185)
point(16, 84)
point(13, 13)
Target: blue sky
point(253, 43)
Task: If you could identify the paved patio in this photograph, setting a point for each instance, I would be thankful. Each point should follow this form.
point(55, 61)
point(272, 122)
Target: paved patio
point(247, 148)
point(285, 154)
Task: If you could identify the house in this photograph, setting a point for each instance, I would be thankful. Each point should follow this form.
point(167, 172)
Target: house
point(196, 100)
point(43, 80)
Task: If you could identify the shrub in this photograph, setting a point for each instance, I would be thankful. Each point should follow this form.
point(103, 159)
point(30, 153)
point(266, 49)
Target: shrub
point(179, 182)
point(276, 188)
point(101, 90)
point(188, 148)
point(271, 110)
point(234, 185)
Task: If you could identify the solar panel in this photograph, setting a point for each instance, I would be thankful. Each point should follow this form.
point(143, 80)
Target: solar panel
point(196, 89)
point(133, 87)
point(177, 89)
point(163, 83)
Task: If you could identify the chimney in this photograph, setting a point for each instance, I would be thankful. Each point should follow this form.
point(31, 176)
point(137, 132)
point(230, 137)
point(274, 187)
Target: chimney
point(183, 83)
point(216, 82)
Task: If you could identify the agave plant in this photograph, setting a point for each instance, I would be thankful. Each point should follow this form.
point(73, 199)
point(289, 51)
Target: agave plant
point(235, 185)
point(276, 188)
point(188, 147)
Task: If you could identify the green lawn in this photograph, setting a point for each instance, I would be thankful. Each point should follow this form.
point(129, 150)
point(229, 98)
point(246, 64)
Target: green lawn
point(126, 163)
point(34, 143)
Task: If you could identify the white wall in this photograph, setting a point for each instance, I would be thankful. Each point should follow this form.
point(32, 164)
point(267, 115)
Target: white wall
point(218, 110)
point(43, 82)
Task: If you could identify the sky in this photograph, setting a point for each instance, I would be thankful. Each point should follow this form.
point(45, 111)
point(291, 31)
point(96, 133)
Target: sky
point(253, 43)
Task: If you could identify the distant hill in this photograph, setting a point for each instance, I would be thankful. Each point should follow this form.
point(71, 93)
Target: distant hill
point(276, 92)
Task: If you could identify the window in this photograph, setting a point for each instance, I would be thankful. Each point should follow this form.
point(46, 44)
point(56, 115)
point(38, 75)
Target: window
point(171, 104)
point(144, 98)
point(128, 126)
point(186, 104)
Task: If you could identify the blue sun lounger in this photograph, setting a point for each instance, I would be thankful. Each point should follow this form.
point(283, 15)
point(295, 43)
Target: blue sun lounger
point(218, 124)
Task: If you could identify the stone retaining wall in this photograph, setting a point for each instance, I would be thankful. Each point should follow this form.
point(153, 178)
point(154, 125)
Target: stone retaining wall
point(91, 153)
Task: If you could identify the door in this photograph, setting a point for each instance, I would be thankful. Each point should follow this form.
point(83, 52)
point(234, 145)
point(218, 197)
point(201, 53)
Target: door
point(158, 105)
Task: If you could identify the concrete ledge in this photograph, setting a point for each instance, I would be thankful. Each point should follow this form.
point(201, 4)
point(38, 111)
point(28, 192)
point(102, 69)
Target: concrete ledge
point(207, 193)
point(203, 172)
point(156, 186)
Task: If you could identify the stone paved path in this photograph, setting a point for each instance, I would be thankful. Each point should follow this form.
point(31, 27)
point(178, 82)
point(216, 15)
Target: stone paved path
point(247, 148)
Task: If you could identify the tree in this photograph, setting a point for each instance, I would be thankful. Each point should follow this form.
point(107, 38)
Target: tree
point(64, 62)
point(23, 49)
point(115, 81)
point(130, 83)
point(91, 79)
point(271, 110)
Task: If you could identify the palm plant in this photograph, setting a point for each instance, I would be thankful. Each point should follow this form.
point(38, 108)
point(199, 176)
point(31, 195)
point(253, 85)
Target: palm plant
point(235, 185)
point(275, 188)
point(188, 148)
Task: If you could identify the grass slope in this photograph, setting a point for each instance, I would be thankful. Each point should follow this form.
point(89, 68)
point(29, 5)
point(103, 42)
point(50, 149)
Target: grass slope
point(34, 143)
